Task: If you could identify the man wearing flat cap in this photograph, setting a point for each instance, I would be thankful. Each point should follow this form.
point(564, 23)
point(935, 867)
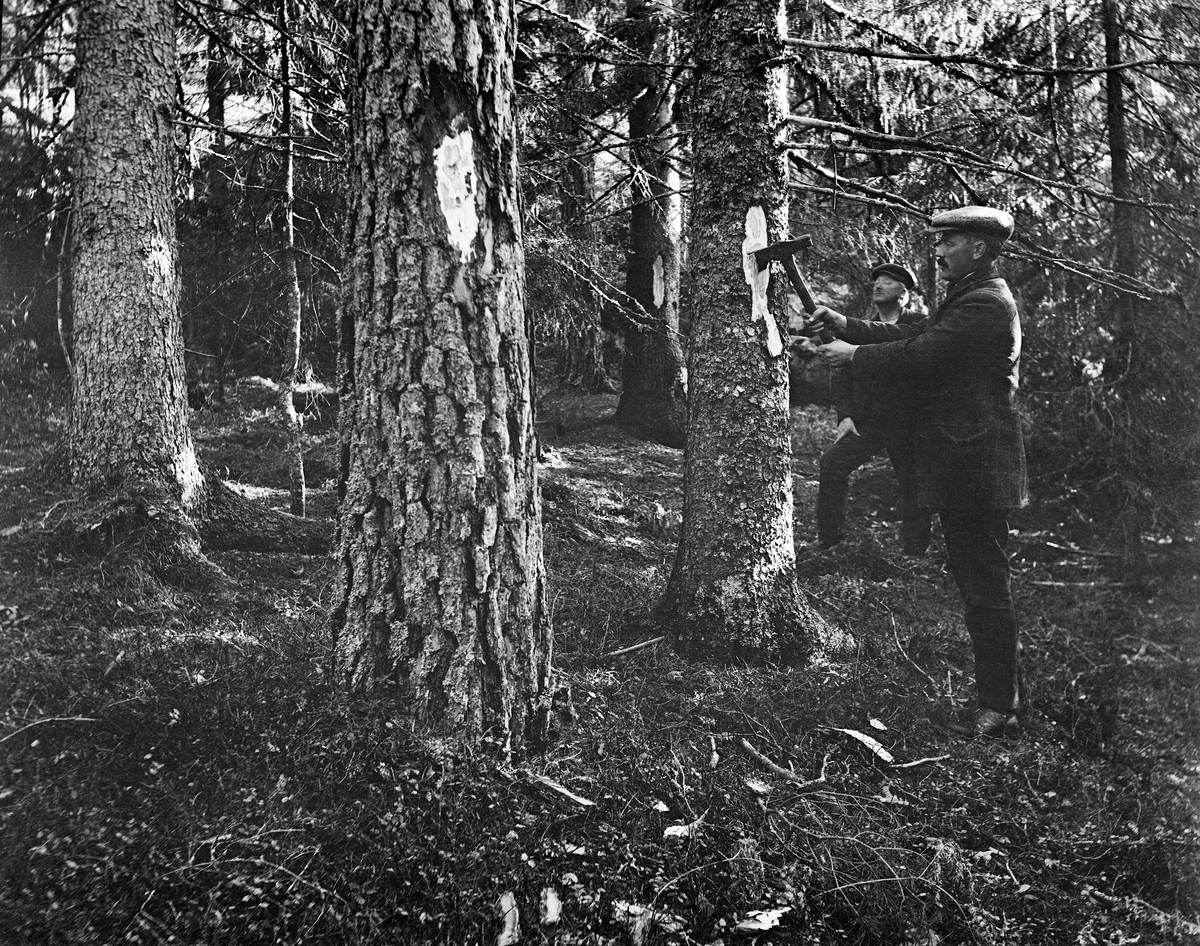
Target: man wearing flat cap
point(962, 364)
point(871, 422)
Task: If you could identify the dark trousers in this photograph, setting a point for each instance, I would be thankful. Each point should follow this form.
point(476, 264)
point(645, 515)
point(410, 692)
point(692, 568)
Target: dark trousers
point(976, 541)
point(846, 456)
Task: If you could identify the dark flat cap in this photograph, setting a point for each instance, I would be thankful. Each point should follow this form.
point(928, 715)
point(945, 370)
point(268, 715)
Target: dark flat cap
point(987, 221)
point(896, 271)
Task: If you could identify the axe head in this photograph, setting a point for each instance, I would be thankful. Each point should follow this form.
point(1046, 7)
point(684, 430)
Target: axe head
point(781, 250)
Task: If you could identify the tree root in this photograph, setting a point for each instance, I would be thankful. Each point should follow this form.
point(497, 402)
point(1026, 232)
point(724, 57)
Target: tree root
point(228, 522)
point(152, 547)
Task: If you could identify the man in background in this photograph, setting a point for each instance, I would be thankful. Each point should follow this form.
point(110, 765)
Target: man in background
point(872, 421)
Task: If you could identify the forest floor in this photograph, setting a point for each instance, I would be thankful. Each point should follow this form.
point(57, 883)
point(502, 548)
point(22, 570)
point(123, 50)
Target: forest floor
point(182, 768)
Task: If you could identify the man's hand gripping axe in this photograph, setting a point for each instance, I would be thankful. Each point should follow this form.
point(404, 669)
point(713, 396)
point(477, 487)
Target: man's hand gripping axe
point(785, 252)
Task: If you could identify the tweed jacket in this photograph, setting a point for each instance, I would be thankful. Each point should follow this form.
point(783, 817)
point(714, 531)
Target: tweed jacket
point(893, 406)
point(962, 364)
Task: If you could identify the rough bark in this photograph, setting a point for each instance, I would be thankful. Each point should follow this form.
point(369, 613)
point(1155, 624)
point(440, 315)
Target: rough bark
point(733, 590)
point(292, 314)
point(129, 438)
point(129, 421)
point(654, 390)
point(441, 580)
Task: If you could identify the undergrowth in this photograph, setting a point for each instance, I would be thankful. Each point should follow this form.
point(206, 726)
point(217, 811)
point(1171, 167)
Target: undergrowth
point(188, 772)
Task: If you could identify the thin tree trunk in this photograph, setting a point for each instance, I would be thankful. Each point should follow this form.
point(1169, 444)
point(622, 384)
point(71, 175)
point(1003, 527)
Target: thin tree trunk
point(63, 312)
point(733, 590)
point(291, 283)
point(654, 391)
point(442, 586)
point(204, 330)
point(1122, 366)
point(216, 76)
point(1124, 234)
point(584, 336)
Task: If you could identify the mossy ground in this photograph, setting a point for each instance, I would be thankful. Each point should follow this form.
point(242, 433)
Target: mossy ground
point(185, 770)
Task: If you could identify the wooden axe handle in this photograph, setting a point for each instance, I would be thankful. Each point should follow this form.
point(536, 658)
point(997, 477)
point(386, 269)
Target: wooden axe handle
point(806, 299)
point(798, 283)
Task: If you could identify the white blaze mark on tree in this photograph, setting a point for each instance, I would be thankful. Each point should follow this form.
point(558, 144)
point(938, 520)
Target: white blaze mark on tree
point(660, 286)
point(455, 163)
point(758, 279)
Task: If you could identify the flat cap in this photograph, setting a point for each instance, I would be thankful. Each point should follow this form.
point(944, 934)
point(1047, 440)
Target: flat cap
point(983, 220)
point(896, 271)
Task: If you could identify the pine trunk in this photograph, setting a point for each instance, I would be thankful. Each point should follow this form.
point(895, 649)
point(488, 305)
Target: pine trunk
point(654, 391)
point(733, 590)
point(129, 423)
point(441, 590)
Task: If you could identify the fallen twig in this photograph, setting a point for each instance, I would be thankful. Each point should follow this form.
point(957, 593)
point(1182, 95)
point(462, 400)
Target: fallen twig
point(1101, 583)
point(900, 647)
point(916, 762)
point(561, 789)
point(780, 770)
point(630, 649)
point(1135, 905)
point(1082, 552)
point(49, 719)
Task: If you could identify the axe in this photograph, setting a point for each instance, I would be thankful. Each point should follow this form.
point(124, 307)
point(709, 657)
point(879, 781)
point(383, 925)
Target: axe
point(785, 252)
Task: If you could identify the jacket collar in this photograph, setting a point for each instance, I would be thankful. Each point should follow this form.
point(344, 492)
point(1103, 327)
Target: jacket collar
point(969, 281)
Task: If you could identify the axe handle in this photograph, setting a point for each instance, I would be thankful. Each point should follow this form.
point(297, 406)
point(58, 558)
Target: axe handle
point(806, 299)
point(798, 283)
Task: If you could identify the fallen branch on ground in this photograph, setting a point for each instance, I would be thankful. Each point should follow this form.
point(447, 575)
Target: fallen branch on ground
point(49, 719)
point(780, 770)
point(630, 649)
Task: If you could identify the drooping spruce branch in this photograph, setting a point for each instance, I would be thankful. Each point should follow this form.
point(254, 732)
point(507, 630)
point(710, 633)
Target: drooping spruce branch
point(910, 144)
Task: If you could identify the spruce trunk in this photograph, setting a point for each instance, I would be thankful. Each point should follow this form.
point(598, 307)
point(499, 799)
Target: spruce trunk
point(129, 423)
point(654, 390)
point(733, 591)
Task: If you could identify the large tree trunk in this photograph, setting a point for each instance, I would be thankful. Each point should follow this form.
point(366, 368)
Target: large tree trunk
point(654, 394)
point(129, 422)
point(441, 588)
point(733, 590)
point(129, 438)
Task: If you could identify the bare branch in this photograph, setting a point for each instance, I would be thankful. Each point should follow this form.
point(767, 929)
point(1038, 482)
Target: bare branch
point(1005, 67)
